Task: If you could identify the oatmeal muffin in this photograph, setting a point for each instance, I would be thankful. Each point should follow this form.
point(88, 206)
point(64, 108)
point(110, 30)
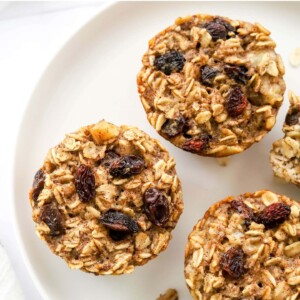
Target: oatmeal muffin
point(285, 155)
point(106, 199)
point(246, 247)
point(210, 85)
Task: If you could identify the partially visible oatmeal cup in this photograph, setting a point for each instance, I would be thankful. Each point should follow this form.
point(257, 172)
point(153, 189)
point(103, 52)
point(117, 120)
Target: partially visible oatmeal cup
point(246, 247)
point(106, 199)
point(285, 154)
point(211, 85)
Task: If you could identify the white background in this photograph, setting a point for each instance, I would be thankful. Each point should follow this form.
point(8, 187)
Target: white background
point(30, 36)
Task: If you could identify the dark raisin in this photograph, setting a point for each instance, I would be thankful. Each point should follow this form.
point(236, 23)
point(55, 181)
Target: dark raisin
point(292, 118)
point(118, 221)
point(170, 62)
point(51, 215)
point(117, 235)
point(238, 73)
point(156, 206)
point(173, 127)
point(85, 183)
point(233, 262)
point(274, 214)
point(208, 74)
point(243, 209)
point(198, 144)
point(227, 25)
point(188, 124)
point(38, 184)
point(109, 158)
point(127, 166)
point(216, 30)
point(236, 102)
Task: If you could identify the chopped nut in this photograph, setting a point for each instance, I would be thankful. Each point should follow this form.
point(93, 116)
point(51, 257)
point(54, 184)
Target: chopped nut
point(170, 294)
point(216, 73)
point(103, 131)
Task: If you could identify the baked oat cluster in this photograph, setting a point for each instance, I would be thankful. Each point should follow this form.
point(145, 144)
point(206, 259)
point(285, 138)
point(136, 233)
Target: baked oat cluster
point(246, 247)
point(170, 294)
point(106, 199)
point(285, 155)
point(211, 85)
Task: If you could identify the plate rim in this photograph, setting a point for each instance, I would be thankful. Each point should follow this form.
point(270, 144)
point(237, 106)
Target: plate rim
point(13, 205)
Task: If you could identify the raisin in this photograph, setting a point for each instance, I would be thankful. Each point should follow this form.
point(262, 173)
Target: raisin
point(38, 184)
point(236, 102)
point(85, 183)
point(156, 206)
point(227, 25)
point(51, 215)
point(292, 118)
point(118, 221)
point(274, 214)
point(216, 30)
point(127, 166)
point(117, 235)
point(197, 144)
point(243, 209)
point(173, 127)
point(208, 74)
point(109, 158)
point(185, 131)
point(238, 73)
point(170, 62)
point(233, 262)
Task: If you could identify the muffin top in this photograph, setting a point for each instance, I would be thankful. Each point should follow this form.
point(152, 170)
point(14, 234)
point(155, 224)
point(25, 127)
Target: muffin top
point(210, 85)
point(285, 154)
point(246, 247)
point(106, 198)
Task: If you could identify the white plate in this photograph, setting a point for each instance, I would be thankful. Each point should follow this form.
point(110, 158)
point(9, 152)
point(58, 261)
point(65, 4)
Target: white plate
point(94, 77)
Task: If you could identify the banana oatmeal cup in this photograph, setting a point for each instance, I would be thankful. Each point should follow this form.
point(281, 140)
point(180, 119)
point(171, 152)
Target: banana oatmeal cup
point(211, 85)
point(106, 199)
point(285, 155)
point(246, 247)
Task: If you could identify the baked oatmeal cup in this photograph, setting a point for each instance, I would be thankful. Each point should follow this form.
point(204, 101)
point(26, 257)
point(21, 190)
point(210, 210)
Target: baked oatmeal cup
point(246, 247)
point(285, 155)
point(106, 199)
point(211, 85)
